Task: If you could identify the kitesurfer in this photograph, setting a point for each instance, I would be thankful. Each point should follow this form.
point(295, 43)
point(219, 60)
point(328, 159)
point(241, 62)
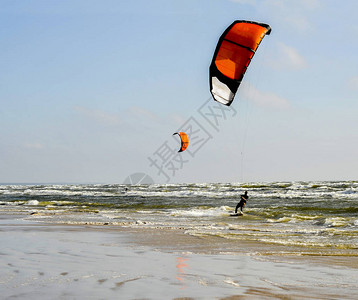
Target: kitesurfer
point(242, 203)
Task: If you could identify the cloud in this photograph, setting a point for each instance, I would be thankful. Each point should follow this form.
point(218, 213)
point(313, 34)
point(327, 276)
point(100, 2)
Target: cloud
point(250, 2)
point(293, 58)
point(141, 113)
point(310, 4)
point(299, 22)
point(353, 83)
point(133, 117)
point(288, 57)
point(292, 7)
point(99, 116)
point(36, 146)
point(294, 13)
point(264, 99)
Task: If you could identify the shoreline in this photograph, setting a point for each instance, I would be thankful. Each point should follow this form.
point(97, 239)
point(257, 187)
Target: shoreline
point(43, 260)
point(169, 239)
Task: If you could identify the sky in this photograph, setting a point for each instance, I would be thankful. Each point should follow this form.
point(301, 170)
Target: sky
point(92, 91)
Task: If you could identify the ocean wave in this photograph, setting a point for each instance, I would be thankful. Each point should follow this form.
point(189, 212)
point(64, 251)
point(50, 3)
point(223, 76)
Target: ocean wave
point(202, 212)
point(279, 190)
point(305, 214)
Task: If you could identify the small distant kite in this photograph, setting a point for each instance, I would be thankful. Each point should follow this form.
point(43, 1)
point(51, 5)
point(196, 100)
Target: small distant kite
point(233, 54)
point(184, 140)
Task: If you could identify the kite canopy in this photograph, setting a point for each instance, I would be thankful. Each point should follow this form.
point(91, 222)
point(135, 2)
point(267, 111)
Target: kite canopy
point(184, 140)
point(233, 54)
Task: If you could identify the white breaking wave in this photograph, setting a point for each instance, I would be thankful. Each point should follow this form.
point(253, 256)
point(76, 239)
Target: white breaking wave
point(202, 212)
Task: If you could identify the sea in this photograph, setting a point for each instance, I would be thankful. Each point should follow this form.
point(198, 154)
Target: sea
point(300, 218)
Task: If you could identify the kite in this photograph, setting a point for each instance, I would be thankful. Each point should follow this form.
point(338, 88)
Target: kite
point(184, 140)
point(233, 54)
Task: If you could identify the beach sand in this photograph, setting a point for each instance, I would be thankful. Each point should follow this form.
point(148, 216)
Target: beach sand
point(52, 261)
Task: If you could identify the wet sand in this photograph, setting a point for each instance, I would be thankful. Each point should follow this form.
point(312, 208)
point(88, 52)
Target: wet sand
point(49, 261)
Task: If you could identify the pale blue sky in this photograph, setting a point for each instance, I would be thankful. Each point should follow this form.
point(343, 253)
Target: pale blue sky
point(90, 89)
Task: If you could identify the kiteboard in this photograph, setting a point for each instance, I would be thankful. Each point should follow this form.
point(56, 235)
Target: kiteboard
point(236, 215)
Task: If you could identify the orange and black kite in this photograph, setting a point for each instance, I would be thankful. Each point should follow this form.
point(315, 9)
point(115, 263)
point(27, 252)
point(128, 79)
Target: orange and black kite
point(233, 54)
point(184, 140)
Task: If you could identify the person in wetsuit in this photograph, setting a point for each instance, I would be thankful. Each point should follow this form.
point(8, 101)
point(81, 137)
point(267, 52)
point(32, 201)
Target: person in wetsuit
point(242, 202)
